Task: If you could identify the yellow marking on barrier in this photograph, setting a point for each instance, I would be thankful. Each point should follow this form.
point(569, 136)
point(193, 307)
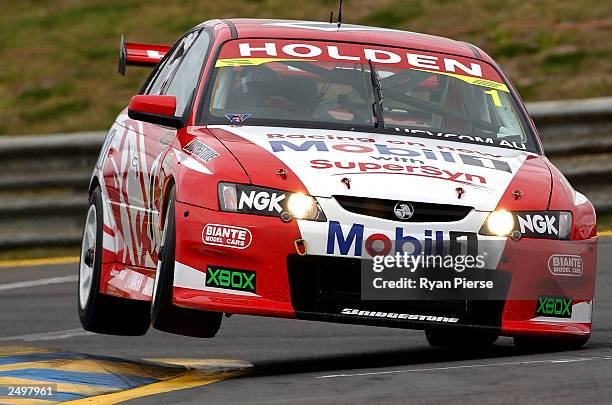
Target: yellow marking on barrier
point(212, 371)
point(604, 233)
point(39, 262)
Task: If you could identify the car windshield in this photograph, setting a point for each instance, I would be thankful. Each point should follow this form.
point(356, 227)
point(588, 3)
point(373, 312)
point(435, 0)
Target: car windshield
point(331, 86)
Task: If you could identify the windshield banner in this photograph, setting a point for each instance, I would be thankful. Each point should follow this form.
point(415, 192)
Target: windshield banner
point(258, 51)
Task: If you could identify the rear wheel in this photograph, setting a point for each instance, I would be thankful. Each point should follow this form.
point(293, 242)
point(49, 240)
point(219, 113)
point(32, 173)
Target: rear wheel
point(460, 338)
point(98, 312)
point(165, 315)
point(530, 343)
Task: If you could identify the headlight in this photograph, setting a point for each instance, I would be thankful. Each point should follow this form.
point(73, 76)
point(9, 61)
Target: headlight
point(500, 223)
point(254, 200)
point(531, 224)
point(301, 205)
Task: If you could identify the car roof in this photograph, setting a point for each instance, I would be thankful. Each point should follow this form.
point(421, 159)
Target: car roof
point(324, 31)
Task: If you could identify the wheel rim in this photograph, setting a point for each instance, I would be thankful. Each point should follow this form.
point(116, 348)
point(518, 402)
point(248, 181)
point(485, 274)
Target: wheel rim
point(88, 256)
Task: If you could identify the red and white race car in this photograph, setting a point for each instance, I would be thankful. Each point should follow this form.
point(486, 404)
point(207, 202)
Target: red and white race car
point(264, 162)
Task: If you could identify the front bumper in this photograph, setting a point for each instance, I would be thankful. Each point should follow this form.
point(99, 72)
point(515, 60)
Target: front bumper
point(307, 287)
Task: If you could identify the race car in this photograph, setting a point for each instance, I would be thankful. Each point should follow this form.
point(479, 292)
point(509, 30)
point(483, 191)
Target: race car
point(266, 164)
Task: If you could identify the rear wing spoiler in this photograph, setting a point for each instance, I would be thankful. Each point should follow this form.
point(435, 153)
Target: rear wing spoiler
point(131, 53)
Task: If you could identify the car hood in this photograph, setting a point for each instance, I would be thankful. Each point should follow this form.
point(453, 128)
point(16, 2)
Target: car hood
point(393, 167)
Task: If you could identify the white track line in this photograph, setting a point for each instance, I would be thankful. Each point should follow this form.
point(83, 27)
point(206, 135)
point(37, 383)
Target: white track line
point(57, 335)
point(505, 364)
point(37, 283)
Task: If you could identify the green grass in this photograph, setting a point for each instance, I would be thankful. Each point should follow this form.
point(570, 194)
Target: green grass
point(58, 58)
point(45, 92)
point(395, 16)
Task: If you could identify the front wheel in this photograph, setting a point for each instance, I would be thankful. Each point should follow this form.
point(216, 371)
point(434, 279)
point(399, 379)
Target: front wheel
point(165, 315)
point(102, 313)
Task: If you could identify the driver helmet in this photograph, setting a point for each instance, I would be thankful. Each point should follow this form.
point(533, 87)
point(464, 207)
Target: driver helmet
point(258, 84)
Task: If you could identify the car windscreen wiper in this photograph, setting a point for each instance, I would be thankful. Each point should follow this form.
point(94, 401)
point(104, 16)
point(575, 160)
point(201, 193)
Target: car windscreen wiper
point(377, 107)
point(402, 98)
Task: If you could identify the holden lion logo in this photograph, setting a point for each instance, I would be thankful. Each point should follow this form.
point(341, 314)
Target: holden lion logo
point(403, 210)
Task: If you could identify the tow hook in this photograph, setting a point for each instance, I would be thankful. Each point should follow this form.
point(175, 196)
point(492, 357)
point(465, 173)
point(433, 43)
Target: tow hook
point(300, 247)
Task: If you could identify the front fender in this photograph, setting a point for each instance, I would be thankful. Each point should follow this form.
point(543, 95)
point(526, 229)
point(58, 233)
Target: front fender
point(564, 197)
point(201, 162)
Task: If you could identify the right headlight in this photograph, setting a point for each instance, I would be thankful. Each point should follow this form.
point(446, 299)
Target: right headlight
point(531, 224)
point(500, 223)
point(247, 199)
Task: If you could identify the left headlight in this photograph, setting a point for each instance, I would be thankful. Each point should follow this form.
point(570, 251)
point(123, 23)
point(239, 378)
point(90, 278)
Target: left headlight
point(247, 199)
point(531, 224)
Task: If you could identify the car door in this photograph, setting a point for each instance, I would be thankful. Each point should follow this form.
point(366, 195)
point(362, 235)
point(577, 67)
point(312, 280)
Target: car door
point(140, 147)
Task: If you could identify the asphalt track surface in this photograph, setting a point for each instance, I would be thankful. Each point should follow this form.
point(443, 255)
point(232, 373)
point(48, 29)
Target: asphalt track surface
point(302, 362)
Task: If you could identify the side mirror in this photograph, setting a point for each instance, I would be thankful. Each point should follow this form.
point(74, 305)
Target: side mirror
point(158, 110)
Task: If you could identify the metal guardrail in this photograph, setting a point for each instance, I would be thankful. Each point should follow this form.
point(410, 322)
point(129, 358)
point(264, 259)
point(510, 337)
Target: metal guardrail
point(577, 138)
point(44, 178)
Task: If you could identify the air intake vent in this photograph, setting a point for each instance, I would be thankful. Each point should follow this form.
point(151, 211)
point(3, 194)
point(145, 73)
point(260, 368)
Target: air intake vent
point(420, 211)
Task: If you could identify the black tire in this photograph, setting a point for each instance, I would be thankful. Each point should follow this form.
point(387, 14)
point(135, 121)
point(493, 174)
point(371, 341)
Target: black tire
point(166, 316)
point(548, 344)
point(460, 338)
point(102, 313)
